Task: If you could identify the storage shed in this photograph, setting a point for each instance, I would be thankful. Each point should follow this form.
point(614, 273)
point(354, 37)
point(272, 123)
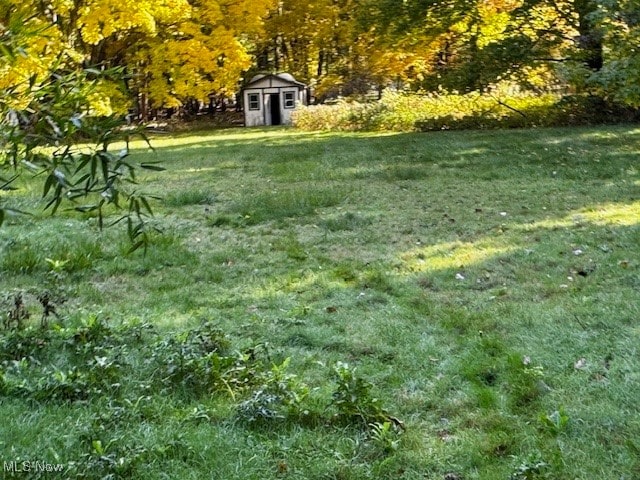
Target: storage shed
point(270, 99)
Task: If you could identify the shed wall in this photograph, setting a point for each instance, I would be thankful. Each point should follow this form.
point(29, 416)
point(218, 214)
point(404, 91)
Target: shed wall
point(258, 98)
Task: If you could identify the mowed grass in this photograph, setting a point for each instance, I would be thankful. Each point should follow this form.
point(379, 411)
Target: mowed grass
point(487, 285)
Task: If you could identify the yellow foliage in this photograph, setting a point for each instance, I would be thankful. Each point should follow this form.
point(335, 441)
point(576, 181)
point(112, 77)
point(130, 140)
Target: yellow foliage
point(175, 49)
point(99, 19)
point(107, 99)
point(39, 47)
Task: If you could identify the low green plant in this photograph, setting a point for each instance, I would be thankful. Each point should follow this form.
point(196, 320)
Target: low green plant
point(346, 222)
point(531, 469)
point(189, 196)
point(352, 398)
point(555, 422)
point(201, 361)
point(279, 395)
point(24, 343)
point(385, 436)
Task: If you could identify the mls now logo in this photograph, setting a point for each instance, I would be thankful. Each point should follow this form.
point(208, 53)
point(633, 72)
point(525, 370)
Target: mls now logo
point(32, 466)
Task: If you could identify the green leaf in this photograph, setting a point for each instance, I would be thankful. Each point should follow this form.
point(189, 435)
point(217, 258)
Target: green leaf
point(137, 245)
point(146, 205)
point(85, 208)
point(6, 183)
point(152, 166)
point(48, 184)
point(105, 168)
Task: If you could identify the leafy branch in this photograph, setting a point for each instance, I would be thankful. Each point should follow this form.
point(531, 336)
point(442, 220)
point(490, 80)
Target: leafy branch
point(49, 128)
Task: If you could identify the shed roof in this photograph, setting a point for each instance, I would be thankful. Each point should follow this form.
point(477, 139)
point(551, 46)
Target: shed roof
point(285, 77)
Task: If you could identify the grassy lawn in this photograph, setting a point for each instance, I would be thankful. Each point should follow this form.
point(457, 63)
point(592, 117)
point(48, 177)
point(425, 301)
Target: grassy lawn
point(452, 305)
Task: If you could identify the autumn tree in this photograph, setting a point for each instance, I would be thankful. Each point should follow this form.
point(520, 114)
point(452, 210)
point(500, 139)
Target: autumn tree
point(619, 76)
point(171, 50)
point(335, 45)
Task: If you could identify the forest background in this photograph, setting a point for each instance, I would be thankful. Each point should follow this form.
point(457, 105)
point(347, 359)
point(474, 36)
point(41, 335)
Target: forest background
point(180, 53)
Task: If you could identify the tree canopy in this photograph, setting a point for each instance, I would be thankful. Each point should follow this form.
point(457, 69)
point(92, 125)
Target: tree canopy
point(175, 50)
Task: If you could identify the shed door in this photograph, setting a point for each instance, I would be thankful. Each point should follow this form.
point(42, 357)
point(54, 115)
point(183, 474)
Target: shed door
point(274, 108)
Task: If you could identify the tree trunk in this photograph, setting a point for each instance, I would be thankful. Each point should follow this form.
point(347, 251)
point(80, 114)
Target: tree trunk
point(591, 37)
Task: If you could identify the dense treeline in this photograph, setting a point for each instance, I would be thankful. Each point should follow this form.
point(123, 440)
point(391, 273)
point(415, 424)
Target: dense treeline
point(347, 46)
point(175, 52)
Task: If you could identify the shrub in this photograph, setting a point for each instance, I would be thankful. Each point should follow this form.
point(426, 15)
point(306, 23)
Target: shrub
point(499, 108)
point(344, 115)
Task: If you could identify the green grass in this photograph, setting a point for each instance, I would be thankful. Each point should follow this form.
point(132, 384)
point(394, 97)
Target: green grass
point(484, 284)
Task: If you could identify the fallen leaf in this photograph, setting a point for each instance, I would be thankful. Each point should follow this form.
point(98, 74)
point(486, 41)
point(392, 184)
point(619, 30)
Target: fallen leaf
point(283, 467)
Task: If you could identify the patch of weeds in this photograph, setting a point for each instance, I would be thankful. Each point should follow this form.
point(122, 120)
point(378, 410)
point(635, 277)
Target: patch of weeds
point(68, 385)
point(405, 172)
point(121, 458)
point(27, 343)
point(18, 307)
point(377, 279)
point(290, 203)
point(98, 361)
point(27, 256)
point(279, 395)
point(525, 382)
point(353, 401)
point(555, 422)
point(30, 379)
point(225, 220)
point(347, 271)
point(385, 436)
point(16, 311)
point(531, 469)
point(20, 257)
point(67, 364)
point(292, 247)
point(200, 361)
point(93, 336)
point(185, 197)
point(345, 222)
point(111, 459)
point(74, 256)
